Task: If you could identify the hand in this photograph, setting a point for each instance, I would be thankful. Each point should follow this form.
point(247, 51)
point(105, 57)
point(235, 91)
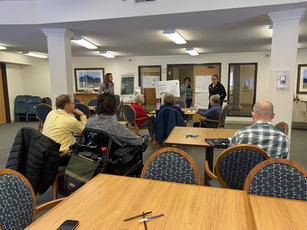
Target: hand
point(195, 110)
point(78, 112)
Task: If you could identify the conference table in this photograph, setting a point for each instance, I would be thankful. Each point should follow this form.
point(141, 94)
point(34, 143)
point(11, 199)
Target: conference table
point(106, 200)
point(185, 110)
point(178, 136)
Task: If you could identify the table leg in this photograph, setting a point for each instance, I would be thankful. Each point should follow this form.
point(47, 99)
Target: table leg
point(209, 158)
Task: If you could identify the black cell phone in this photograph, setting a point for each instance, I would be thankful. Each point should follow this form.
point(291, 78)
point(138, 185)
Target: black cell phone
point(68, 225)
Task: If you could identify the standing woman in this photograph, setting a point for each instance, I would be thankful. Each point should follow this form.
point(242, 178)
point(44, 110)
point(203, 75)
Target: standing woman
point(217, 88)
point(107, 86)
point(187, 92)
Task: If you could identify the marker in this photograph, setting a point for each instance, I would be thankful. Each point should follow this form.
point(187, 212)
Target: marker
point(152, 217)
point(131, 218)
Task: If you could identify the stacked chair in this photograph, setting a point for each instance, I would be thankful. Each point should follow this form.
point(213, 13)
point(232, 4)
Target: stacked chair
point(20, 107)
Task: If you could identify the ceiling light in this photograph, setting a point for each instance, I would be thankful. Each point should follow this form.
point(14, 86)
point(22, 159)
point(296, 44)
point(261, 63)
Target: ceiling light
point(191, 51)
point(81, 41)
point(106, 54)
point(3, 48)
point(271, 29)
point(37, 55)
point(174, 36)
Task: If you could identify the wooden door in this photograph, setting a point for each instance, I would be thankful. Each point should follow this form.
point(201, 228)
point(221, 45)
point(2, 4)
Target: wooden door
point(2, 101)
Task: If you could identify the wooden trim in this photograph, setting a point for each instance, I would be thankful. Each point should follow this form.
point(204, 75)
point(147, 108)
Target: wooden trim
point(48, 205)
point(263, 164)
point(9, 171)
point(228, 151)
point(209, 173)
point(179, 151)
point(5, 93)
point(299, 78)
point(285, 125)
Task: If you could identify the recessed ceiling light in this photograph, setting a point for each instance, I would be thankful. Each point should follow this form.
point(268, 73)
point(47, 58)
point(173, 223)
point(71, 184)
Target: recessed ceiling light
point(37, 55)
point(3, 48)
point(106, 54)
point(174, 36)
point(191, 51)
point(83, 42)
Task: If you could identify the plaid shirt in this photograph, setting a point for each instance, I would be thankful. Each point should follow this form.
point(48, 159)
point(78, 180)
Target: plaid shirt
point(264, 135)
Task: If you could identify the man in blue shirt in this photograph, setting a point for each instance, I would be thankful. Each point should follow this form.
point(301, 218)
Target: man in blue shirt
point(213, 113)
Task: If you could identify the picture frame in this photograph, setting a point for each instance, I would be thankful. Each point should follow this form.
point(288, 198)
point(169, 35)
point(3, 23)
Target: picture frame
point(88, 79)
point(301, 79)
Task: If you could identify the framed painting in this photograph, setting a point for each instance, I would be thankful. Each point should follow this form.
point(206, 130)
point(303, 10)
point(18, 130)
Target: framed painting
point(302, 79)
point(88, 79)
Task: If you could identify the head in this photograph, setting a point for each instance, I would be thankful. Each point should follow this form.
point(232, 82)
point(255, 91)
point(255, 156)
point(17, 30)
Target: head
point(139, 99)
point(263, 111)
point(107, 79)
point(215, 79)
point(187, 80)
point(214, 99)
point(169, 99)
point(65, 101)
point(106, 104)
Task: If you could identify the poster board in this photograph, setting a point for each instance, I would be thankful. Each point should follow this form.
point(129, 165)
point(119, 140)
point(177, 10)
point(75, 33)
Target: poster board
point(127, 86)
point(201, 91)
point(164, 87)
point(150, 81)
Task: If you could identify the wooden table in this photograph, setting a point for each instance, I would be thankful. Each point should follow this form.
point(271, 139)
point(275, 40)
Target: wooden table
point(185, 110)
point(278, 213)
point(105, 201)
point(178, 137)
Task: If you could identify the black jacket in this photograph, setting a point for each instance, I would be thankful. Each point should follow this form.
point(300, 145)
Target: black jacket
point(36, 157)
point(218, 89)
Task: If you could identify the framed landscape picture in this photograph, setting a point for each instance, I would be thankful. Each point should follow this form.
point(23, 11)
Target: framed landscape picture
point(302, 79)
point(88, 79)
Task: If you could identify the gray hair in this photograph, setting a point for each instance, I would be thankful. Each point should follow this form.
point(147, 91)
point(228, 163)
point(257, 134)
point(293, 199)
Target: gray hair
point(138, 98)
point(215, 98)
point(263, 109)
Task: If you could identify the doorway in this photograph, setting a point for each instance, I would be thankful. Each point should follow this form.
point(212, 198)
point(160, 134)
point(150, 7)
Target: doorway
point(4, 99)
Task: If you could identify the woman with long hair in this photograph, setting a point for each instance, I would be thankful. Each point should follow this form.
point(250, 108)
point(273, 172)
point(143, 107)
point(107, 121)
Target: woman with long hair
point(107, 86)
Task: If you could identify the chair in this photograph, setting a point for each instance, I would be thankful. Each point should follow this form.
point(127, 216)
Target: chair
point(278, 178)
point(283, 127)
point(20, 106)
point(180, 103)
point(17, 201)
point(41, 112)
point(221, 120)
point(76, 100)
point(117, 97)
point(31, 105)
point(92, 102)
point(130, 116)
point(84, 108)
point(234, 164)
point(173, 165)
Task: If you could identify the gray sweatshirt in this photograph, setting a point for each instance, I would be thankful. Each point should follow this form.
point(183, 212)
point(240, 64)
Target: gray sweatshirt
point(103, 88)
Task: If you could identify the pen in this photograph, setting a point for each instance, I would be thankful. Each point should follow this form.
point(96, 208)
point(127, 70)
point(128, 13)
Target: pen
point(152, 217)
point(145, 225)
point(131, 218)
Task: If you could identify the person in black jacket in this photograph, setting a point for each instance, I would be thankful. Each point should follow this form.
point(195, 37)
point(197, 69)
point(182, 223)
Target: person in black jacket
point(217, 88)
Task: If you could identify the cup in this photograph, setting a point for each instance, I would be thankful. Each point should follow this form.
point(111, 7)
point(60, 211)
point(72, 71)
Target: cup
point(191, 109)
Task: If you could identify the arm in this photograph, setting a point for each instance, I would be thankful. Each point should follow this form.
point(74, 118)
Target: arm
point(78, 126)
point(125, 135)
point(205, 113)
point(183, 88)
point(101, 88)
point(222, 92)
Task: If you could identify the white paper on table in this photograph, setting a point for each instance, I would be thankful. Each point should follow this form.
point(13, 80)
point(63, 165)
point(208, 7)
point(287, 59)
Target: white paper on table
point(150, 81)
point(202, 83)
point(164, 87)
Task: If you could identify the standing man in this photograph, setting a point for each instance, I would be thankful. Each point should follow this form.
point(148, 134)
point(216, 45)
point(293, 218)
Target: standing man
point(61, 125)
point(262, 133)
point(217, 88)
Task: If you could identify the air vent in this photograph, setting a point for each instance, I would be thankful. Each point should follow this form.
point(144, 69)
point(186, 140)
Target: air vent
point(137, 1)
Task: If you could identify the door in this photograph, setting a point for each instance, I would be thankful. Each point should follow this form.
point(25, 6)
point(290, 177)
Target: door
point(3, 96)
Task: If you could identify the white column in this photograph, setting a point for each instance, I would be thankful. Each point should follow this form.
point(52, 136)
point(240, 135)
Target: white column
point(59, 52)
point(283, 58)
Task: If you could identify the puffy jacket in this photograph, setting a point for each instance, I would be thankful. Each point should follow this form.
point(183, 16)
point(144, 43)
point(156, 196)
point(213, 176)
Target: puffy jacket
point(36, 157)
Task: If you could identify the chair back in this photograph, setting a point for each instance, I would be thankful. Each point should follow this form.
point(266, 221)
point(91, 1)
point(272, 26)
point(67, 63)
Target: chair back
point(17, 200)
point(234, 164)
point(223, 115)
point(129, 113)
point(173, 165)
point(92, 102)
point(283, 127)
point(42, 111)
point(180, 103)
point(117, 97)
point(76, 100)
point(21, 103)
point(84, 108)
point(47, 100)
point(278, 178)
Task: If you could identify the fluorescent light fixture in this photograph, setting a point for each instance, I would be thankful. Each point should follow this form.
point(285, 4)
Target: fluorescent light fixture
point(174, 36)
point(3, 48)
point(81, 41)
point(191, 51)
point(271, 29)
point(106, 54)
point(37, 55)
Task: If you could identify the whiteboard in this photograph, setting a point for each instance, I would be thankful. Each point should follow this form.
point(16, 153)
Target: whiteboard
point(164, 87)
point(150, 81)
point(201, 99)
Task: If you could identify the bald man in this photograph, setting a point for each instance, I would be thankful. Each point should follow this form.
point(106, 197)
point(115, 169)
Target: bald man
point(262, 133)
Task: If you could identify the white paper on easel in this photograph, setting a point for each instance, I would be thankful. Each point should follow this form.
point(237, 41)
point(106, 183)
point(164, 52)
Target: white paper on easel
point(164, 87)
point(150, 81)
point(201, 99)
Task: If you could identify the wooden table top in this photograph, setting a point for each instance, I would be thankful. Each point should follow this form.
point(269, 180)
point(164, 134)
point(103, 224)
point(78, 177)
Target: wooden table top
point(278, 213)
point(185, 110)
point(105, 201)
point(178, 135)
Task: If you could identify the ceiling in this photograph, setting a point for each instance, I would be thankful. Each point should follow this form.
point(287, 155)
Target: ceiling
point(234, 30)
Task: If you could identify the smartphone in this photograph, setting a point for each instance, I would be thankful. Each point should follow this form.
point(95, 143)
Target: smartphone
point(68, 225)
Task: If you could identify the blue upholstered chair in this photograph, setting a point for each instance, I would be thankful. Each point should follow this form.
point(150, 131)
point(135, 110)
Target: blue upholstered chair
point(20, 106)
point(92, 102)
point(278, 178)
point(173, 165)
point(234, 164)
point(221, 120)
point(17, 201)
point(76, 101)
point(41, 112)
point(283, 127)
point(180, 103)
point(31, 105)
point(117, 97)
point(84, 108)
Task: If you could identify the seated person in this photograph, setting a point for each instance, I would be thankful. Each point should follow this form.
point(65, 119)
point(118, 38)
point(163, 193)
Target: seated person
point(106, 120)
point(169, 102)
point(262, 133)
point(60, 124)
point(141, 113)
point(213, 113)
